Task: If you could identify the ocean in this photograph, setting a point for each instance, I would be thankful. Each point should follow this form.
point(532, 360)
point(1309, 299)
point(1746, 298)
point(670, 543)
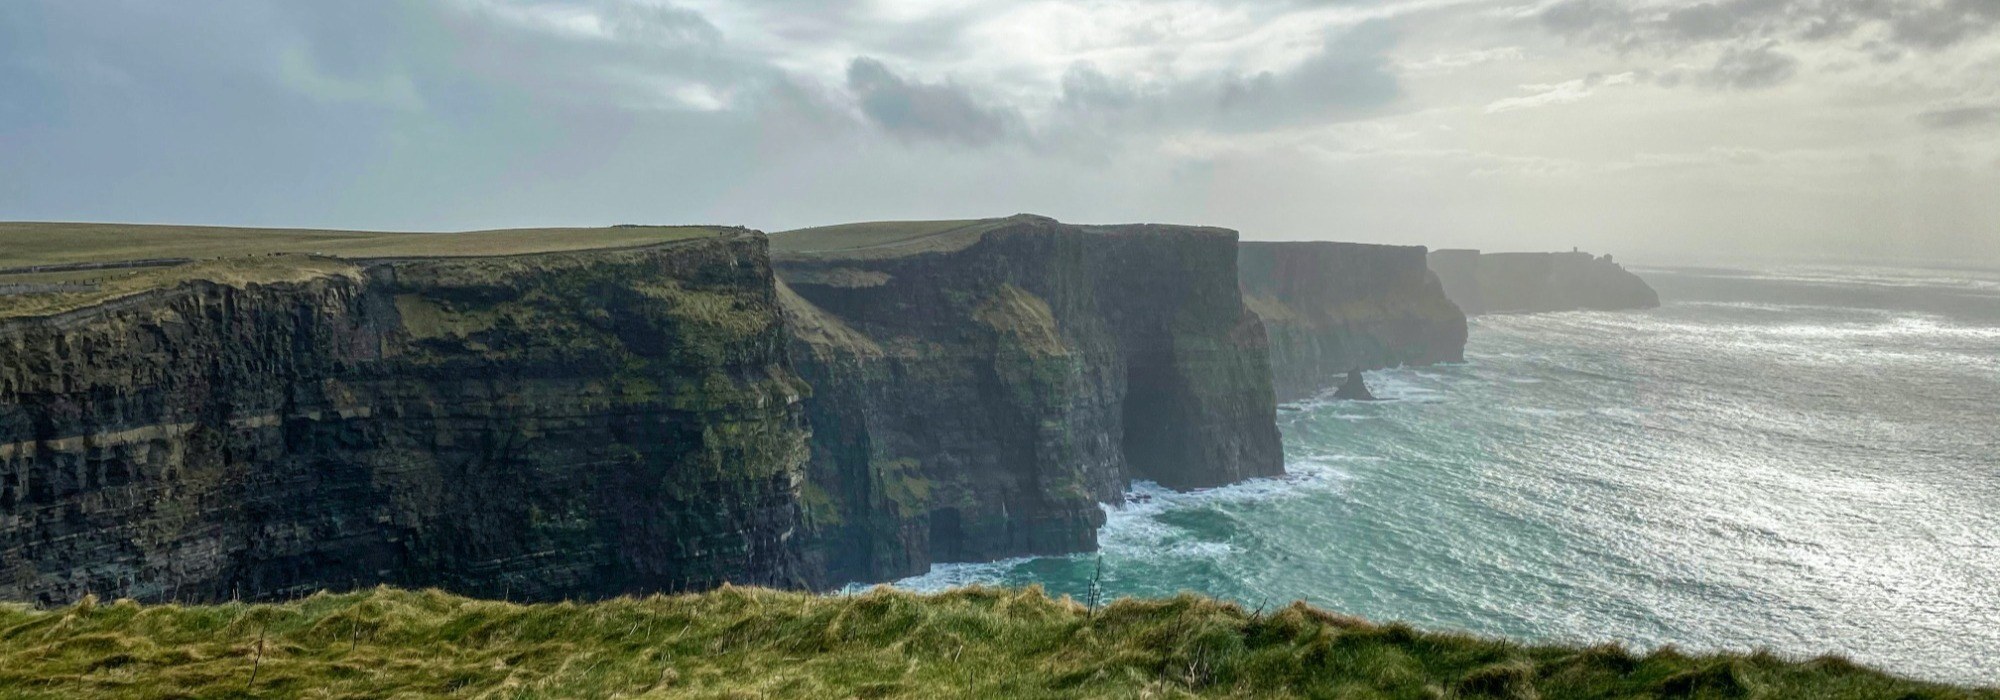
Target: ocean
point(1804, 459)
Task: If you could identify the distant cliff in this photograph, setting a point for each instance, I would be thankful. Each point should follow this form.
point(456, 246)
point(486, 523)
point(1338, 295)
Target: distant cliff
point(1483, 283)
point(1333, 307)
point(980, 387)
point(566, 424)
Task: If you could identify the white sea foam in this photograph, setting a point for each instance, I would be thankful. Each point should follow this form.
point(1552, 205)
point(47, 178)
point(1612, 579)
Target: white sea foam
point(945, 576)
point(1133, 528)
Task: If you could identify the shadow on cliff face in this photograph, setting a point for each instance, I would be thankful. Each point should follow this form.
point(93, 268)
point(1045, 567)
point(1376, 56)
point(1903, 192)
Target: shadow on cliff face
point(1331, 308)
point(992, 389)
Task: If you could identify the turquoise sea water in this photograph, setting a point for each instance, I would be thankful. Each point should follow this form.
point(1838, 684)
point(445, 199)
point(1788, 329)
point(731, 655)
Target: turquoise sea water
point(1803, 459)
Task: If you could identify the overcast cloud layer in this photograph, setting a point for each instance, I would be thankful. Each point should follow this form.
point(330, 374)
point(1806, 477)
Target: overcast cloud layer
point(1656, 130)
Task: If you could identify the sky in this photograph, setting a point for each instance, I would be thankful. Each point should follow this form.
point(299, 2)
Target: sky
point(1655, 130)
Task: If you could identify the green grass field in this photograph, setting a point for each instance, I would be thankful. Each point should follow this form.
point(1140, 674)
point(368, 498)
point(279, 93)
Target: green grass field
point(885, 238)
point(240, 256)
point(28, 244)
point(752, 643)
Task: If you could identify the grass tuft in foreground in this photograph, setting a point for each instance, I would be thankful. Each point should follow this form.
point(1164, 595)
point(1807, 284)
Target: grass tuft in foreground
point(752, 643)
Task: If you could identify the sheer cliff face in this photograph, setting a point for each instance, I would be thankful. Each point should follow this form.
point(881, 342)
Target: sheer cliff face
point(1334, 307)
point(600, 422)
point(569, 424)
point(977, 400)
point(1539, 282)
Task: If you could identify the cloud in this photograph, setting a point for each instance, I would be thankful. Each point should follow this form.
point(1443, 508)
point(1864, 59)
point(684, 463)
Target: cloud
point(592, 54)
point(1750, 69)
point(1960, 117)
point(934, 111)
point(1928, 25)
point(1560, 93)
point(1383, 119)
point(1444, 63)
point(1941, 24)
point(1347, 76)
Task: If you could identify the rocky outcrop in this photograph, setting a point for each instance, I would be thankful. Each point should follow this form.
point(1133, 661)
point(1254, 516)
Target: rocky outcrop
point(1331, 308)
point(574, 424)
point(980, 387)
point(1485, 283)
point(1354, 389)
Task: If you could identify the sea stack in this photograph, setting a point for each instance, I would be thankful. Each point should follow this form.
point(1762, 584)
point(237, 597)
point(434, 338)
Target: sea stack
point(1354, 389)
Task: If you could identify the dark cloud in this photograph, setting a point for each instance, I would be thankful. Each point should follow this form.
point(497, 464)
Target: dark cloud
point(1961, 117)
point(1712, 21)
point(1943, 24)
point(1916, 24)
point(1348, 77)
point(917, 110)
point(1749, 69)
point(1585, 17)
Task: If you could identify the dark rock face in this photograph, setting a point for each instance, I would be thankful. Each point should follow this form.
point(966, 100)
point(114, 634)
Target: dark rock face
point(979, 403)
point(1486, 283)
point(1334, 307)
point(1354, 389)
point(595, 423)
point(581, 424)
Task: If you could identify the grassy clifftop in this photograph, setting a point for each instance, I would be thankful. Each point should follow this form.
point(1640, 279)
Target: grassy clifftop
point(753, 643)
point(878, 239)
point(50, 268)
point(24, 244)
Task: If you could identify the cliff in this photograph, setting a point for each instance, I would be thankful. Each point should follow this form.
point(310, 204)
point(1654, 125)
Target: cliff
point(564, 424)
point(589, 412)
point(1482, 283)
point(981, 386)
point(1334, 307)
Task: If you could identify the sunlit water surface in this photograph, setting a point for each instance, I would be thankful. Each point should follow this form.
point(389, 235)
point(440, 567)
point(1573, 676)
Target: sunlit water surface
point(1801, 459)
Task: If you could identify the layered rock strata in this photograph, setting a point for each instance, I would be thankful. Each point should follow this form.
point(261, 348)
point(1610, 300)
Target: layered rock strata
point(570, 424)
